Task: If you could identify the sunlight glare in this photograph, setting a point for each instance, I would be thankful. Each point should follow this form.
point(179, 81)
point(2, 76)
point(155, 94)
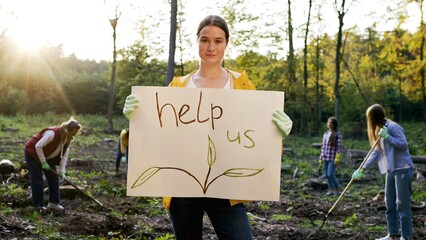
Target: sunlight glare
point(30, 28)
point(27, 39)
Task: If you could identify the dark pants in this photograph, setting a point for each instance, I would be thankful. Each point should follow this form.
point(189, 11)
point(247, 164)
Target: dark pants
point(120, 155)
point(229, 222)
point(36, 180)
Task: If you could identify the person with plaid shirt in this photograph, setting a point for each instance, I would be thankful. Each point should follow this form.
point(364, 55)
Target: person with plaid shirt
point(331, 154)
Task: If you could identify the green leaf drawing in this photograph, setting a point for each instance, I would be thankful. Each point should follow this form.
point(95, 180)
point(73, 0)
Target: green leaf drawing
point(242, 172)
point(145, 176)
point(211, 159)
point(211, 153)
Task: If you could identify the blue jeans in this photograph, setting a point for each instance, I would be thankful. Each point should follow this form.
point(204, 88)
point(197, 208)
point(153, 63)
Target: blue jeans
point(398, 202)
point(36, 180)
point(330, 170)
point(229, 222)
point(120, 155)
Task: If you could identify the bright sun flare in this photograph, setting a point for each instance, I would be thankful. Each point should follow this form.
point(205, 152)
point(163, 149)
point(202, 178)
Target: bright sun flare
point(27, 38)
point(28, 28)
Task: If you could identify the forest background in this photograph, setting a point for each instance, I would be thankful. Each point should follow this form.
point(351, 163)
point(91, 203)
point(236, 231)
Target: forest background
point(329, 75)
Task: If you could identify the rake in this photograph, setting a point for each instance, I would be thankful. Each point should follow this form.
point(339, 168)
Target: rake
point(76, 187)
point(346, 188)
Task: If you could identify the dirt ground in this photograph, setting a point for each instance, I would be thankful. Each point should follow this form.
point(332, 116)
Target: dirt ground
point(123, 217)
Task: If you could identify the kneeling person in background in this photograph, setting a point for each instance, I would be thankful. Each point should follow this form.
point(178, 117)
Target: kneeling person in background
point(122, 149)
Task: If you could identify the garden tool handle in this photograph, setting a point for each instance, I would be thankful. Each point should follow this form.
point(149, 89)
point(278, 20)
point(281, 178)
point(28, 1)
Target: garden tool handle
point(76, 187)
point(350, 182)
point(369, 153)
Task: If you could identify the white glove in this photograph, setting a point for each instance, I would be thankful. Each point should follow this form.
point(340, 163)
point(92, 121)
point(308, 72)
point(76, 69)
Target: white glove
point(130, 105)
point(283, 122)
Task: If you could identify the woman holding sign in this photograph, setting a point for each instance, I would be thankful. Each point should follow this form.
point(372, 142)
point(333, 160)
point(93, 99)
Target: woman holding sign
point(228, 217)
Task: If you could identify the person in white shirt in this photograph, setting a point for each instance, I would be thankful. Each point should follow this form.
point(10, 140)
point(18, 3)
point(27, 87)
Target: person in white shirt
point(43, 152)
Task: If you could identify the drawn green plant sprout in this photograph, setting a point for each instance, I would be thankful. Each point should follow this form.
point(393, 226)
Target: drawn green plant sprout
point(211, 159)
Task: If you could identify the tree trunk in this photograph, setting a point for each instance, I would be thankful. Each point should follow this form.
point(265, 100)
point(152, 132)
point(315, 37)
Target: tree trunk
point(341, 14)
point(305, 70)
point(172, 42)
point(422, 70)
point(112, 82)
point(317, 86)
point(291, 71)
point(422, 73)
point(290, 58)
point(318, 75)
point(400, 98)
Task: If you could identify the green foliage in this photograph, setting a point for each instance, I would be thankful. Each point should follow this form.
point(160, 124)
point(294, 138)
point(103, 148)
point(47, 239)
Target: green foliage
point(11, 100)
point(90, 237)
point(86, 94)
point(34, 216)
point(350, 94)
point(49, 82)
point(419, 192)
point(115, 235)
point(303, 156)
point(168, 236)
point(355, 224)
point(154, 204)
point(104, 186)
point(378, 68)
point(361, 193)
point(351, 220)
point(302, 145)
point(307, 223)
point(263, 206)
point(28, 125)
point(136, 70)
point(281, 217)
point(415, 134)
point(376, 228)
point(146, 230)
point(48, 229)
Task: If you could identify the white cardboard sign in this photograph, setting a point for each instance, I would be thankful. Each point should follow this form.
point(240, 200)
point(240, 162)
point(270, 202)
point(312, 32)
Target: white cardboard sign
point(199, 142)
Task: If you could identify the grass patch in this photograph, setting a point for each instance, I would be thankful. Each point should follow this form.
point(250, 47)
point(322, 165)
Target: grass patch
point(303, 157)
point(419, 192)
point(263, 206)
point(351, 221)
point(376, 228)
point(281, 217)
point(105, 186)
point(355, 224)
point(28, 125)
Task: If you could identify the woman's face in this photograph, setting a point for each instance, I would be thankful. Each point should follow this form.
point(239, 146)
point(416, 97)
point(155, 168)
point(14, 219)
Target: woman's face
point(71, 134)
point(211, 45)
point(330, 125)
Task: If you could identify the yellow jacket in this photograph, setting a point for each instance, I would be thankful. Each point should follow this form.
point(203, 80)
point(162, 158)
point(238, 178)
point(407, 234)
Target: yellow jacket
point(239, 80)
point(124, 141)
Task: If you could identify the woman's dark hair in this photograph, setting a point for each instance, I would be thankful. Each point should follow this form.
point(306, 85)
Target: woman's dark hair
point(333, 135)
point(334, 121)
point(214, 20)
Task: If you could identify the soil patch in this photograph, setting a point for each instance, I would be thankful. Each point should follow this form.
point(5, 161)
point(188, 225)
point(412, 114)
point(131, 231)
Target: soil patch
point(299, 212)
